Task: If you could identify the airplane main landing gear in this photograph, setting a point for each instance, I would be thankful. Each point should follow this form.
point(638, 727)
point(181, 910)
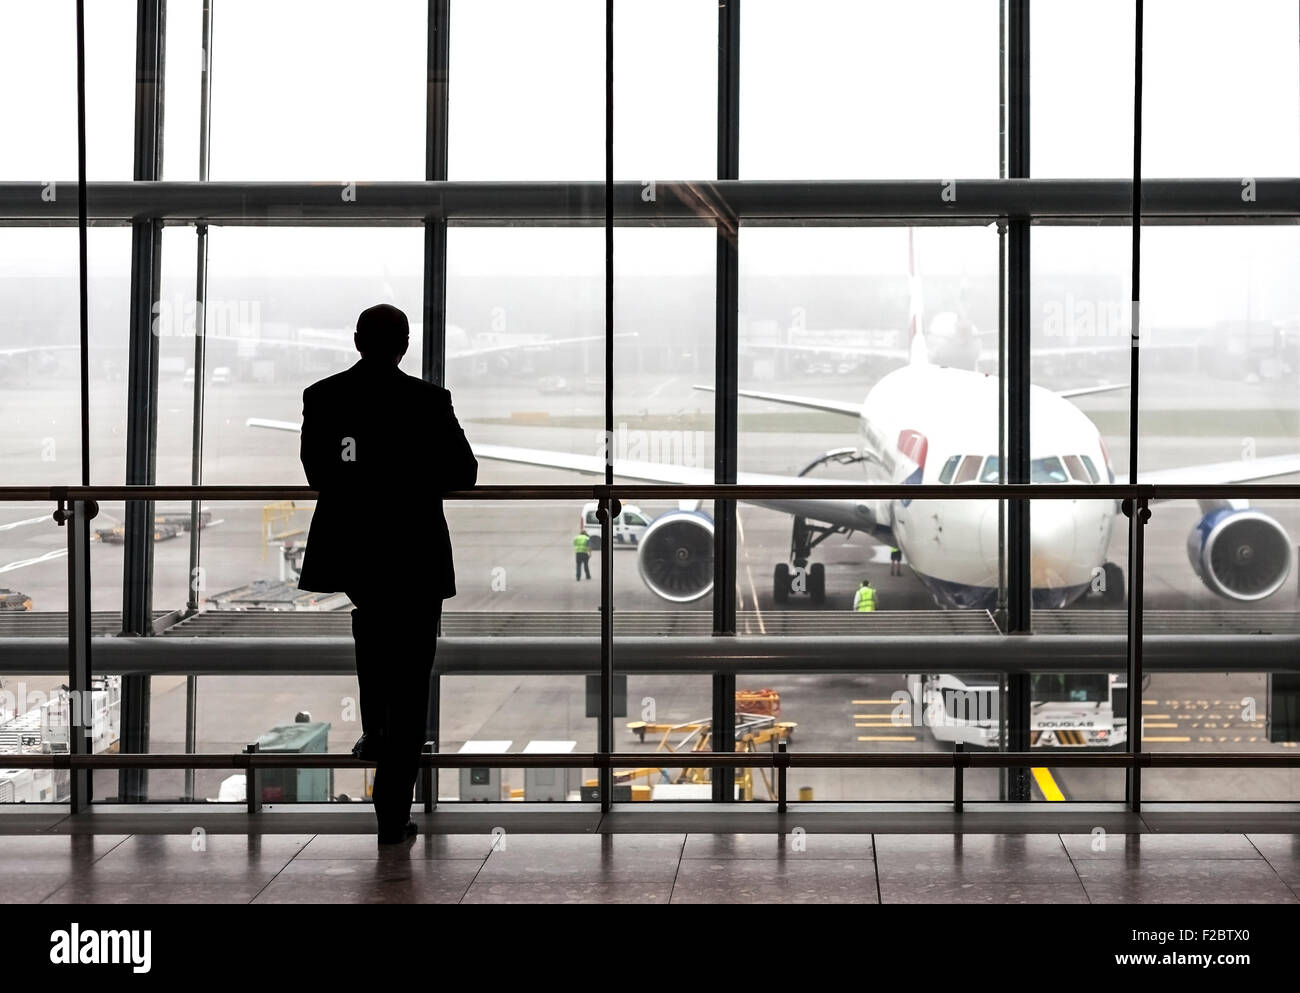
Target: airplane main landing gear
point(1113, 594)
point(803, 579)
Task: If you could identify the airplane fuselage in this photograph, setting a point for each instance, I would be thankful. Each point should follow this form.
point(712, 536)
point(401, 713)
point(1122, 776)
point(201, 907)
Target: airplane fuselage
point(939, 425)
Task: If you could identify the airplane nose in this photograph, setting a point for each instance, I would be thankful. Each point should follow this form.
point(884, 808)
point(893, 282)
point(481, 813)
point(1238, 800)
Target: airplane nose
point(1052, 543)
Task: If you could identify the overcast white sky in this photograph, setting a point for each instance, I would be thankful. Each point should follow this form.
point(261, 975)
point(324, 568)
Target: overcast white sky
point(332, 90)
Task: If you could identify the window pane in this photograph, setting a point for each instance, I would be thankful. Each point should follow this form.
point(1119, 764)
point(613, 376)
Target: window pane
point(38, 75)
point(528, 90)
point(847, 90)
point(318, 91)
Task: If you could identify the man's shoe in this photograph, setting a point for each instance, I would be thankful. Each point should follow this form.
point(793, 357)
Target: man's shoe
point(366, 748)
point(397, 837)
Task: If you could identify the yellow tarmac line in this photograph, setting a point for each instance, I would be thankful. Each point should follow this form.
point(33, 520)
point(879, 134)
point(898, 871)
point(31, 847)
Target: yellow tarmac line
point(875, 724)
point(1145, 738)
point(1156, 717)
point(1150, 703)
point(1149, 724)
point(1047, 784)
point(872, 717)
point(860, 702)
point(886, 737)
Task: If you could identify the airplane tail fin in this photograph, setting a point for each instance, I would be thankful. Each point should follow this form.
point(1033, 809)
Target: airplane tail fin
point(918, 353)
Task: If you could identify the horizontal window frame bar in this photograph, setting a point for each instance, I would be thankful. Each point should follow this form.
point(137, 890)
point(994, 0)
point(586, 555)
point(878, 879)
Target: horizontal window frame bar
point(720, 491)
point(696, 655)
point(675, 202)
point(677, 760)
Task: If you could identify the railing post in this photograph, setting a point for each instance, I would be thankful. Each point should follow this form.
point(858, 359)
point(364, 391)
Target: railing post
point(782, 767)
point(958, 776)
point(76, 515)
point(253, 783)
point(427, 781)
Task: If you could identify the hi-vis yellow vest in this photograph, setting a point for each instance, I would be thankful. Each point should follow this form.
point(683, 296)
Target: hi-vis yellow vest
point(580, 543)
point(866, 599)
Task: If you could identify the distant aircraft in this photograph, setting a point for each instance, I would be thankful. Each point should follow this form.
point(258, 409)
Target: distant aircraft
point(928, 423)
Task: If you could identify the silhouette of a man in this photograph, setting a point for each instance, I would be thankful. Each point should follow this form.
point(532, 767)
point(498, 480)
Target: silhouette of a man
point(380, 447)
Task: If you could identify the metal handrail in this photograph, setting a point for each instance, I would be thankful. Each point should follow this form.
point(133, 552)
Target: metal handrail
point(721, 491)
point(1085, 759)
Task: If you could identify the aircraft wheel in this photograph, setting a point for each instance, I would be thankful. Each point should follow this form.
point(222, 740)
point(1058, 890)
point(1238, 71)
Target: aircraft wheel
point(817, 582)
point(1114, 594)
point(781, 583)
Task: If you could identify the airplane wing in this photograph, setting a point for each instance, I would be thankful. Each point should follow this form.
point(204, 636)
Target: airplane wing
point(540, 344)
point(809, 403)
point(1243, 471)
point(860, 515)
point(862, 351)
point(1083, 391)
point(35, 349)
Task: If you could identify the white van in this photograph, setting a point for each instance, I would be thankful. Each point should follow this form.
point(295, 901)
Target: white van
point(629, 526)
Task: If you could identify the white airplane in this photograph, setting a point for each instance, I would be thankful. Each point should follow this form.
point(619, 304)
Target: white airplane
point(927, 423)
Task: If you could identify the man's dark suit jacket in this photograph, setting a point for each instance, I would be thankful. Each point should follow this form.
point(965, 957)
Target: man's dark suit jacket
point(379, 447)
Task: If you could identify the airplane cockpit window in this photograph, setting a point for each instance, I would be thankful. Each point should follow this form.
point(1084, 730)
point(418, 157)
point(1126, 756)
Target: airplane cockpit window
point(1077, 472)
point(990, 473)
point(949, 467)
point(1093, 474)
point(1048, 470)
point(969, 469)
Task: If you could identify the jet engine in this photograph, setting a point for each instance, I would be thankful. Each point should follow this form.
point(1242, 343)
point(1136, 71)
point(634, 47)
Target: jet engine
point(675, 555)
point(1240, 554)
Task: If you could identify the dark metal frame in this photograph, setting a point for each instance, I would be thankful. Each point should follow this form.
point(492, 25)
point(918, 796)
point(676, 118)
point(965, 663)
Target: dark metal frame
point(1014, 201)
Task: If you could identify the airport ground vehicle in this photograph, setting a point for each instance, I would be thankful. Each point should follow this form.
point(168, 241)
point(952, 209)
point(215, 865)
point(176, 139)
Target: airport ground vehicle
point(41, 725)
point(629, 526)
point(1071, 710)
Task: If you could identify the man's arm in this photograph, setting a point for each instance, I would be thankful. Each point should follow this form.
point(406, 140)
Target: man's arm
point(314, 449)
point(460, 471)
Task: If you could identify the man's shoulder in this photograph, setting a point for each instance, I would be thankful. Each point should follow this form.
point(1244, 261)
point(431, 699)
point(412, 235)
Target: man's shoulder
point(330, 384)
point(429, 392)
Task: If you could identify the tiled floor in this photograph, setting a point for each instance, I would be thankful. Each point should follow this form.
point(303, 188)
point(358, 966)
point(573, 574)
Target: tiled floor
point(509, 867)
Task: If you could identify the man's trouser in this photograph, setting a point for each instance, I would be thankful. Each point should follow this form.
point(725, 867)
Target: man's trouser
point(394, 666)
point(582, 565)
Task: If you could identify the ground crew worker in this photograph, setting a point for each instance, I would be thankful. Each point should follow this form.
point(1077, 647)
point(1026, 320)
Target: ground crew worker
point(581, 544)
point(895, 562)
point(865, 598)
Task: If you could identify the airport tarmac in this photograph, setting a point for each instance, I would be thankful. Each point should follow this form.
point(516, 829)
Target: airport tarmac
point(517, 556)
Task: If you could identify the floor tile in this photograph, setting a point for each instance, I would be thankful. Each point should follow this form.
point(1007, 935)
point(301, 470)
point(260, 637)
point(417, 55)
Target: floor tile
point(584, 858)
point(379, 880)
point(1159, 846)
point(560, 892)
point(794, 845)
point(1183, 881)
point(425, 846)
point(971, 858)
point(945, 890)
point(775, 881)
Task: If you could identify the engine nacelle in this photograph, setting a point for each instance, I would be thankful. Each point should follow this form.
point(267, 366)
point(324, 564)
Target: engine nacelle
point(675, 555)
point(1240, 554)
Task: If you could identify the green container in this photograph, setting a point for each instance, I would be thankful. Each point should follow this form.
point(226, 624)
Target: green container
point(297, 785)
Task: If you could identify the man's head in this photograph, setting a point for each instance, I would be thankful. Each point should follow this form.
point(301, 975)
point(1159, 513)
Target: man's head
point(383, 332)
point(866, 582)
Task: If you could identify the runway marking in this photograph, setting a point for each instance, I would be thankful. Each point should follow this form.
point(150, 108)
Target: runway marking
point(1149, 724)
point(1047, 784)
point(1145, 738)
point(860, 702)
point(57, 553)
point(875, 724)
point(758, 614)
point(31, 520)
point(886, 737)
point(1150, 703)
point(1155, 717)
point(871, 717)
